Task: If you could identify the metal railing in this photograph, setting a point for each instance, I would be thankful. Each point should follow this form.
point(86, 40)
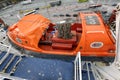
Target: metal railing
point(8, 50)
point(77, 67)
point(3, 74)
point(8, 77)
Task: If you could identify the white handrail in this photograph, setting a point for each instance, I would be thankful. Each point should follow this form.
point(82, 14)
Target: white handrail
point(5, 76)
point(117, 58)
point(77, 67)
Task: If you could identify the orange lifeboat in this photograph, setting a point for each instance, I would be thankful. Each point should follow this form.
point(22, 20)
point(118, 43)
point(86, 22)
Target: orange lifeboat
point(89, 35)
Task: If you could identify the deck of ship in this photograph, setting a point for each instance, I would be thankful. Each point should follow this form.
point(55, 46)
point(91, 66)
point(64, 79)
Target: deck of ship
point(14, 65)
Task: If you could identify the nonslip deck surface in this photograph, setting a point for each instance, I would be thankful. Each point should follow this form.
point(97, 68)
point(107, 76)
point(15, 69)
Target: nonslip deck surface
point(44, 69)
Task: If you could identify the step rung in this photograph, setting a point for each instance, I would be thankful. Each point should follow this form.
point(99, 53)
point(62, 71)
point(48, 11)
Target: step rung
point(14, 67)
point(4, 63)
point(2, 54)
point(6, 55)
point(9, 63)
point(13, 63)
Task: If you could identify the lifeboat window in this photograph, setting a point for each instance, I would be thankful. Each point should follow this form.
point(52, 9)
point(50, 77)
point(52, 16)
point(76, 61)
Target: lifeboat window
point(92, 20)
point(96, 44)
point(18, 40)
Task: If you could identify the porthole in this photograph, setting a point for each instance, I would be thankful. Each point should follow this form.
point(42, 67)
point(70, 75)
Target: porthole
point(96, 44)
point(18, 40)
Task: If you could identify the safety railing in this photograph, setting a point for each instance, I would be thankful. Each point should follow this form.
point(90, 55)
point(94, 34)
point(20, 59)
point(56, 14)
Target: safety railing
point(8, 60)
point(8, 77)
point(77, 67)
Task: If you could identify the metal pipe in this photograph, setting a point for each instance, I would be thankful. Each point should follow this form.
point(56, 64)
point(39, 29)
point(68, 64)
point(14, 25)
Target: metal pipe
point(80, 70)
point(117, 58)
point(113, 34)
point(88, 70)
point(77, 67)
